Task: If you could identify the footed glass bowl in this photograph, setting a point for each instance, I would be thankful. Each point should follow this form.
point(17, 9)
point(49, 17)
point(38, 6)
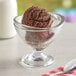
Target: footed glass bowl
point(39, 39)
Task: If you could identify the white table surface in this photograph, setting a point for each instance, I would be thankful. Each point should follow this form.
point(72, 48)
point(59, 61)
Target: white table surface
point(63, 49)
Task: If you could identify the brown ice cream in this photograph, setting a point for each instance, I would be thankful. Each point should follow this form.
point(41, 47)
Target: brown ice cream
point(37, 17)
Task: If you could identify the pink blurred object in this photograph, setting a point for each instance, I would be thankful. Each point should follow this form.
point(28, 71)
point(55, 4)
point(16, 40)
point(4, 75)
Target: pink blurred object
point(51, 73)
point(69, 14)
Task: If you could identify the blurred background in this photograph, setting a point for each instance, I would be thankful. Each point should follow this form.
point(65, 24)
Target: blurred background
point(65, 7)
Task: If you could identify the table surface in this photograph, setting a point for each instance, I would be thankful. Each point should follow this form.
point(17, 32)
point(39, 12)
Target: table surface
point(63, 49)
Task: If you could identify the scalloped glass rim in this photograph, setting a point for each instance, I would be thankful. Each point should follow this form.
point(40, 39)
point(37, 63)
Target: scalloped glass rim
point(58, 21)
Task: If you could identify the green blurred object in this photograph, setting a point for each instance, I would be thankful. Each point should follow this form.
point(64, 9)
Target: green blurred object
point(47, 4)
point(50, 5)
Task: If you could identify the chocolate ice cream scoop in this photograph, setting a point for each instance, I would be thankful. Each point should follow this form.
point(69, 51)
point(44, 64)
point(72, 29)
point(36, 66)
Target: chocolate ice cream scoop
point(37, 17)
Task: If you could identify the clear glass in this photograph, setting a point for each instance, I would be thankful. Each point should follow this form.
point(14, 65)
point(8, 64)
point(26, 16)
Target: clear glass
point(39, 39)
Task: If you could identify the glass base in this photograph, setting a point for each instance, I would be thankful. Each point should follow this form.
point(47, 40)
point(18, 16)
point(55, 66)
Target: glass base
point(36, 59)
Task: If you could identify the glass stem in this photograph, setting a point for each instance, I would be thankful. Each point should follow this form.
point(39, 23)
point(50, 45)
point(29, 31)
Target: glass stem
point(36, 54)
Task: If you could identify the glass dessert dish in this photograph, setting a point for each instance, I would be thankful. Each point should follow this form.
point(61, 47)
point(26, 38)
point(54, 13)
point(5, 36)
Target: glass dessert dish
point(39, 39)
